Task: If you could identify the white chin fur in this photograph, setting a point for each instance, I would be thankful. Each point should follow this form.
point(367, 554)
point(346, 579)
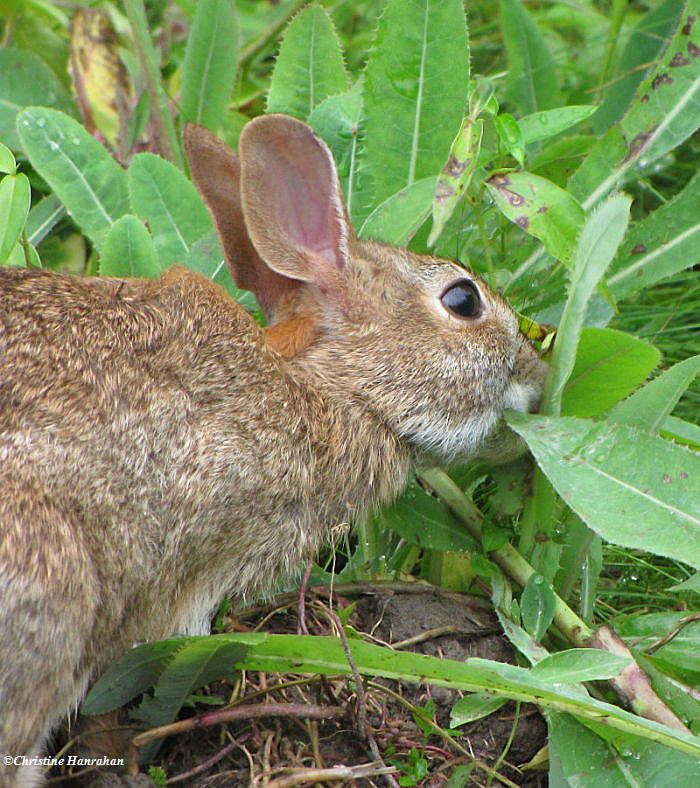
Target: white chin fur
point(449, 440)
point(521, 396)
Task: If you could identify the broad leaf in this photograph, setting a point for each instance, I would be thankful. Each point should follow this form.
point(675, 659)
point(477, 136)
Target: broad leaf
point(543, 125)
point(420, 57)
point(665, 242)
point(537, 606)
point(129, 250)
point(163, 197)
point(609, 366)
point(580, 664)
point(83, 175)
point(398, 218)
point(532, 74)
point(26, 81)
point(15, 196)
point(474, 707)
point(648, 408)
point(541, 209)
point(309, 67)
point(211, 59)
point(634, 489)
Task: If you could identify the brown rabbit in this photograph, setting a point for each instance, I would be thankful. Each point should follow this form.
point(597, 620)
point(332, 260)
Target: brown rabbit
point(158, 449)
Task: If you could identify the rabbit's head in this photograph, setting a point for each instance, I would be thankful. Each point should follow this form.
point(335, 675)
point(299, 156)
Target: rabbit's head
point(424, 343)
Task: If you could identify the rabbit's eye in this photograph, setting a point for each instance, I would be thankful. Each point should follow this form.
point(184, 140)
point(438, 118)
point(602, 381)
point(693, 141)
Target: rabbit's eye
point(462, 299)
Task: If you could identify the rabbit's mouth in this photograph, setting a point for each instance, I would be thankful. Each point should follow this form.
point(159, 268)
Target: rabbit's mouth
point(524, 397)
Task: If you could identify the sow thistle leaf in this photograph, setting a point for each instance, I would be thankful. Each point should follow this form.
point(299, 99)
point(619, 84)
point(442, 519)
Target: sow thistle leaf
point(633, 489)
point(82, 174)
point(420, 56)
point(129, 250)
point(211, 59)
point(541, 209)
point(609, 366)
point(664, 243)
point(309, 67)
point(26, 81)
point(163, 197)
point(396, 220)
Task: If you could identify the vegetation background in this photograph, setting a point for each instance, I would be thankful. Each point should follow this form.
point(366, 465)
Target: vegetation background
point(546, 145)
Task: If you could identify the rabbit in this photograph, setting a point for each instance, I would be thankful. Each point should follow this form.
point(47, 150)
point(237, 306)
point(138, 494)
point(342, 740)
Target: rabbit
point(159, 450)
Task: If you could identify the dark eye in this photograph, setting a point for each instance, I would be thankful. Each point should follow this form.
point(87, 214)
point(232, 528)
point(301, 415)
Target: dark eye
point(462, 299)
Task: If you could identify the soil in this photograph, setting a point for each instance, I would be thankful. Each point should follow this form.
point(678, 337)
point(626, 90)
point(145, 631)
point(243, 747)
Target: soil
point(284, 751)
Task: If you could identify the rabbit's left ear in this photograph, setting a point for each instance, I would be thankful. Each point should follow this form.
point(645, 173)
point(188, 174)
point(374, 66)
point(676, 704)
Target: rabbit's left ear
point(216, 172)
point(292, 202)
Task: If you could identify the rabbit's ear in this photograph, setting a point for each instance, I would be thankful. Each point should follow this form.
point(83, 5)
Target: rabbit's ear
point(292, 200)
point(216, 172)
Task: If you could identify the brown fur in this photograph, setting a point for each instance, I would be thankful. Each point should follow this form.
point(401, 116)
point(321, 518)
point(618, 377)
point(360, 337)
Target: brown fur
point(158, 449)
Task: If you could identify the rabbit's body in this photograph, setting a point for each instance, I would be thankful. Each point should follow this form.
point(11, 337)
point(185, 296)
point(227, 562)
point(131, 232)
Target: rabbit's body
point(159, 450)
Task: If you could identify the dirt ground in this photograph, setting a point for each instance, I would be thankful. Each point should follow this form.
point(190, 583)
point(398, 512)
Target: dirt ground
point(283, 751)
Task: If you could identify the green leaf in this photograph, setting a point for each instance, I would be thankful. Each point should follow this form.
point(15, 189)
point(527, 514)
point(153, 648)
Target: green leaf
point(309, 67)
point(597, 245)
point(580, 664)
point(26, 81)
point(540, 208)
point(163, 197)
point(338, 121)
point(537, 606)
point(532, 73)
point(15, 196)
point(43, 217)
point(455, 176)
point(511, 137)
point(129, 250)
point(665, 242)
point(207, 258)
point(580, 757)
point(681, 431)
point(644, 46)
point(648, 408)
point(83, 175)
point(474, 707)
point(543, 125)
point(211, 59)
point(609, 366)
point(420, 57)
point(7, 160)
point(397, 219)
point(424, 521)
point(634, 489)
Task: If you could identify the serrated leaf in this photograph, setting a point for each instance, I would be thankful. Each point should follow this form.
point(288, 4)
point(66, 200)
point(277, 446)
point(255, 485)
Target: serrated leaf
point(537, 606)
point(540, 208)
point(665, 242)
point(634, 489)
point(211, 59)
point(398, 218)
point(647, 41)
point(596, 247)
point(548, 123)
point(420, 56)
point(309, 67)
point(474, 707)
point(15, 196)
point(26, 81)
point(580, 664)
point(532, 73)
point(338, 120)
point(162, 196)
point(82, 174)
point(129, 250)
point(609, 366)
point(648, 408)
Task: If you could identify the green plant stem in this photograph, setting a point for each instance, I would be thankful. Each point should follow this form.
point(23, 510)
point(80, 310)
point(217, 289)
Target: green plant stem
point(631, 684)
point(267, 35)
point(484, 240)
point(619, 9)
point(508, 558)
point(167, 140)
